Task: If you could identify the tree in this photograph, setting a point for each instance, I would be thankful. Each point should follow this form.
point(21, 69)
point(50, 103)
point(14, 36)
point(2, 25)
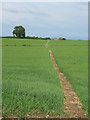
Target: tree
point(19, 31)
point(62, 38)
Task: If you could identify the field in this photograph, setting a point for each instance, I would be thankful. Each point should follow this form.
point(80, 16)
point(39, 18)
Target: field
point(0, 78)
point(72, 59)
point(31, 85)
point(18, 42)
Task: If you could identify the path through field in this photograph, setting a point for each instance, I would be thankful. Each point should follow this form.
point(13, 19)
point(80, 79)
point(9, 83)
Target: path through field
point(46, 45)
point(72, 104)
point(45, 72)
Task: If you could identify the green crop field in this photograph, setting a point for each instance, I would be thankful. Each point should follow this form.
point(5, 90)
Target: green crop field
point(72, 59)
point(30, 83)
point(69, 43)
point(18, 42)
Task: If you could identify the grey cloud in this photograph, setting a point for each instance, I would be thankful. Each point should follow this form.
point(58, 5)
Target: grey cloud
point(9, 10)
point(22, 10)
point(36, 12)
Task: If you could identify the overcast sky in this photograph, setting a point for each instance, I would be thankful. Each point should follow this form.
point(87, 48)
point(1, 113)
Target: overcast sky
point(47, 19)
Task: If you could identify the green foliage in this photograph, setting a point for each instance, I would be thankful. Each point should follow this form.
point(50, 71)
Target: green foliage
point(38, 38)
point(30, 82)
point(62, 38)
point(18, 41)
point(72, 59)
point(19, 32)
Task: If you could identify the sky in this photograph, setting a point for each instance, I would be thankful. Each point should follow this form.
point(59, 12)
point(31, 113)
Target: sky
point(46, 19)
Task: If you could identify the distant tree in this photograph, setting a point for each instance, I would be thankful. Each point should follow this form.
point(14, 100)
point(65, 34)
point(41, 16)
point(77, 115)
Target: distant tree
point(19, 32)
point(62, 38)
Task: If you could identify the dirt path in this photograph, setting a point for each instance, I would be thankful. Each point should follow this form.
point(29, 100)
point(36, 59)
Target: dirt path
point(72, 104)
point(46, 45)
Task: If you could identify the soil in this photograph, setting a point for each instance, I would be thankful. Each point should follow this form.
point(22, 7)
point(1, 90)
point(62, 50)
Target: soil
point(46, 45)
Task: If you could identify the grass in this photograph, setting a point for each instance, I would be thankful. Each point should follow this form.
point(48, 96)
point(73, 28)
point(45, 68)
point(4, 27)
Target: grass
point(72, 59)
point(1, 78)
point(18, 42)
point(69, 43)
point(30, 83)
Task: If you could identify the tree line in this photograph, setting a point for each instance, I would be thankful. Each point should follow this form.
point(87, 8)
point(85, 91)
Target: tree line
point(19, 32)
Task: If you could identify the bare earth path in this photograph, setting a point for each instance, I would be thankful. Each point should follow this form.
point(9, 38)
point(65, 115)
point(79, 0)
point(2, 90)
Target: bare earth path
point(72, 104)
point(46, 45)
